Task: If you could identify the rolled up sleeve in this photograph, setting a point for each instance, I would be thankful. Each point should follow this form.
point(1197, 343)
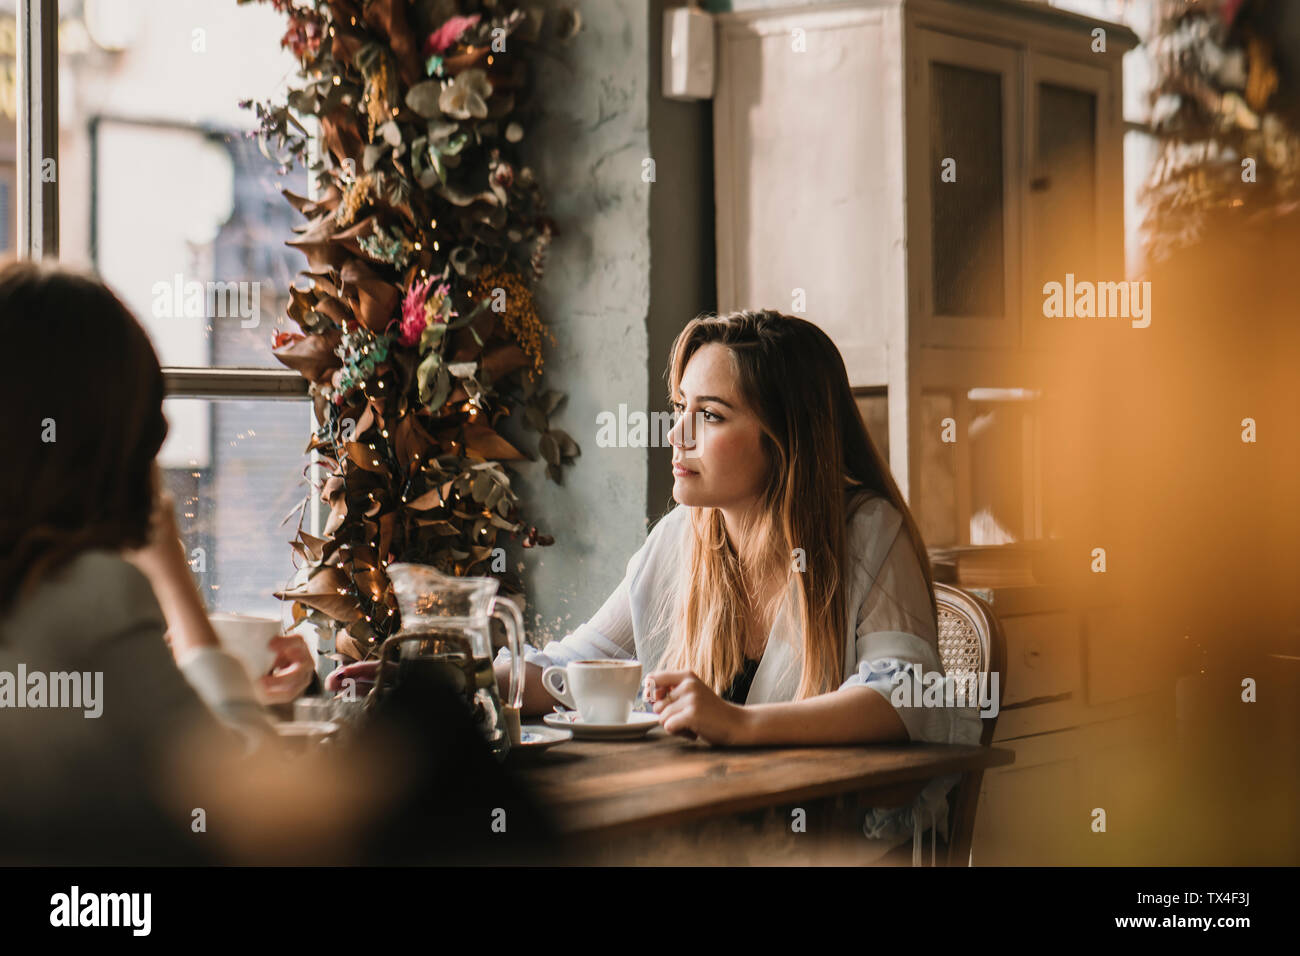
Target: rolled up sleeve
point(887, 658)
point(896, 641)
point(222, 683)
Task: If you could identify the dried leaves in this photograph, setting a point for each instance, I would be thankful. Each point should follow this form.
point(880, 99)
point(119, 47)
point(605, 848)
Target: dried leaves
point(418, 185)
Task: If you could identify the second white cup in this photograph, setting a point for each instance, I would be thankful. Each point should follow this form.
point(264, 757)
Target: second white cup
point(602, 692)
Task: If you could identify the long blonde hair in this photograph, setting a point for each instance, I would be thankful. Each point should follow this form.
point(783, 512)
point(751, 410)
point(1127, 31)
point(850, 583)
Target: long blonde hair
point(818, 453)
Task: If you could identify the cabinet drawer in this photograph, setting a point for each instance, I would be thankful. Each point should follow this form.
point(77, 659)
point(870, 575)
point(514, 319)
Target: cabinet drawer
point(1025, 721)
point(1042, 656)
point(1032, 813)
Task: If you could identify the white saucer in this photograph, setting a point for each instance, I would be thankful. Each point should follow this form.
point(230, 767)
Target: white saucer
point(638, 725)
point(539, 738)
point(306, 728)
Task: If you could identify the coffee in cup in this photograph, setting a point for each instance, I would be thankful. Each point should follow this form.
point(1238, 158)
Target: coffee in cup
point(601, 691)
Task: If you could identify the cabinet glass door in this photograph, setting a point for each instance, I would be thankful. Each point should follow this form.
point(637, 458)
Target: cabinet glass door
point(968, 262)
point(1074, 222)
point(966, 169)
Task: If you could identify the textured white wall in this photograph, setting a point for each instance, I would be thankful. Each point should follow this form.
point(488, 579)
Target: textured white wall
point(587, 150)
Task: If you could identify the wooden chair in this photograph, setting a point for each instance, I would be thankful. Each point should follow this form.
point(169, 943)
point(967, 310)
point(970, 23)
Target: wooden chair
point(971, 644)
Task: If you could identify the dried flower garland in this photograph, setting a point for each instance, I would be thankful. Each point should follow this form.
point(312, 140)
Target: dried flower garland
point(419, 331)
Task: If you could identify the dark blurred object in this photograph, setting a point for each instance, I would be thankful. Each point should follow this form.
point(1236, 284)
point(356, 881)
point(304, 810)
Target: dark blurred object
point(1239, 762)
point(461, 806)
point(88, 792)
point(415, 784)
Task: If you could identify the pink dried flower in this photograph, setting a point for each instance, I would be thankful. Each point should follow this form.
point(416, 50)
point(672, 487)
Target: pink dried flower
point(447, 34)
point(413, 317)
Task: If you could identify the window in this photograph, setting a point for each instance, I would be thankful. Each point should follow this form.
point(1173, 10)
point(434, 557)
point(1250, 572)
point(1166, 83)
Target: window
point(8, 127)
point(162, 194)
point(238, 487)
point(1139, 143)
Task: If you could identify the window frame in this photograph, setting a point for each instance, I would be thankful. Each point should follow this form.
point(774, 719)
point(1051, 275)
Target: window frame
point(38, 204)
point(37, 209)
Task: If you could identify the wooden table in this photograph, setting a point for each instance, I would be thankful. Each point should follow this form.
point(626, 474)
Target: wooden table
point(605, 790)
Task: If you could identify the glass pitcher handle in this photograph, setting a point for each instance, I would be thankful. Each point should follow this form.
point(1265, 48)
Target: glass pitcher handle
point(513, 622)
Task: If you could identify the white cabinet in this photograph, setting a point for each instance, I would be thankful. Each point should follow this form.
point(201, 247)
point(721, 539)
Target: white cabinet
point(908, 174)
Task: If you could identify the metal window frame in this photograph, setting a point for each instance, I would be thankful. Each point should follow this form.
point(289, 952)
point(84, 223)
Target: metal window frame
point(38, 127)
point(210, 382)
point(227, 383)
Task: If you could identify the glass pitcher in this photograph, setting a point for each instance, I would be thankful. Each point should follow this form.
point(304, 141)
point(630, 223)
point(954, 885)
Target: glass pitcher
point(446, 634)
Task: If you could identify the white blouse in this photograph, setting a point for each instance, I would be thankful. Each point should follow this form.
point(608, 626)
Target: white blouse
point(890, 629)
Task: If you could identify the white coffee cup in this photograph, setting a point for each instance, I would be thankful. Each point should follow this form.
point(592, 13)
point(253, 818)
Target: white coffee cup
point(602, 692)
point(247, 638)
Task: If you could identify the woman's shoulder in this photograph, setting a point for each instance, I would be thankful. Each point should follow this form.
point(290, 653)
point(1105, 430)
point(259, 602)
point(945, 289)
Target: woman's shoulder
point(872, 525)
point(106, 577)
point(868, 511)
point(95, 594)
point(663, 543)
point(868, 514)
point(671, 525)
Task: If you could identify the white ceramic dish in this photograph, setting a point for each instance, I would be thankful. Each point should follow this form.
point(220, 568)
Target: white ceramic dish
point(638, 725)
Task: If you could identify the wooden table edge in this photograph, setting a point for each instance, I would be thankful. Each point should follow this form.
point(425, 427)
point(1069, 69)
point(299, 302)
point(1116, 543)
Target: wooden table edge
point(583, 818)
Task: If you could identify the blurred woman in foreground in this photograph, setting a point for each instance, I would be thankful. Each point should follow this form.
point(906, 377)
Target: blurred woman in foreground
point(168, 755)
point(93, 572)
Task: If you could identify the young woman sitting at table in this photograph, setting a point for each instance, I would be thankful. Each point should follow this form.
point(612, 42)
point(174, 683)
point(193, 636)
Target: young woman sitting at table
point(93, 575)
point(777, 602)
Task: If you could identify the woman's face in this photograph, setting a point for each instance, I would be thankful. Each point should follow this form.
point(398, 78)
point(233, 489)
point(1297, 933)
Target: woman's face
point(718, 458)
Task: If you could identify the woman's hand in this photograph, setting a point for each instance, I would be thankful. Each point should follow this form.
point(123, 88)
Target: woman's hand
point(362, 675)
point(689, 707)
point(291, 672)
